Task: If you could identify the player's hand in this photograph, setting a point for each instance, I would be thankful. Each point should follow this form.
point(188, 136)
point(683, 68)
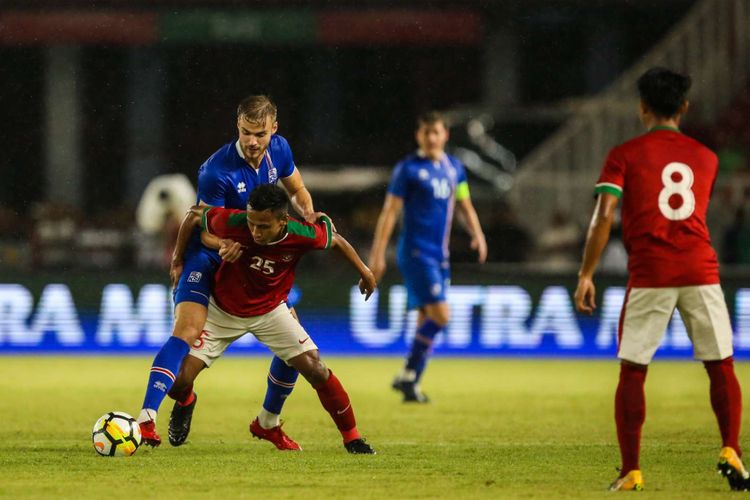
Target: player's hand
point(230, 250)
point(479, 244)
point(315, 216)
point(377, 265)
point(175, 270)
point(585, 295)
point(367, 283)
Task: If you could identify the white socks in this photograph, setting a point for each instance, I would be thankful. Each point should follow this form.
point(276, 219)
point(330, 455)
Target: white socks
point(268, 420)
point(146, 415)
point(408, 375)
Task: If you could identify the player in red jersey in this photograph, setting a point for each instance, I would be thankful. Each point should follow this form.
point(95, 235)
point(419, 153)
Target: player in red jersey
point(261, 248)
point(665, 181)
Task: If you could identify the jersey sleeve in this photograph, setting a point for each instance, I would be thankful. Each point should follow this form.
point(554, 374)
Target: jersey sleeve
point(211, 188)
point(399, 181)
point(223, 222)
point(612, 178)
point(285, 165)
point(318, 236)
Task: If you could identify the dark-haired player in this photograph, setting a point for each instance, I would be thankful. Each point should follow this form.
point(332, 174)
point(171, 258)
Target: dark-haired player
point(427, 186)
point(665, 180)
point(258, 156)
point(250, 292)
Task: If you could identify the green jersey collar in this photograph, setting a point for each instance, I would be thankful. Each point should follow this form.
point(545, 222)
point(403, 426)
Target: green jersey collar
point(665, 127)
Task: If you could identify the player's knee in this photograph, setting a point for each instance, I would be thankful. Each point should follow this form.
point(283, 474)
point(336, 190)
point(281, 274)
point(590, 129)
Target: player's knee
point(311, 367)
point(439, 315)
point(189, 321)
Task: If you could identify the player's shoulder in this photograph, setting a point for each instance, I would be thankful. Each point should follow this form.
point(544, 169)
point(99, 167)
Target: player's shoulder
point(454, 161)
point(409, 161)
point(235, 216)
point(221, 160)
point(299, 229)
point(279, 144)
point(699, 147)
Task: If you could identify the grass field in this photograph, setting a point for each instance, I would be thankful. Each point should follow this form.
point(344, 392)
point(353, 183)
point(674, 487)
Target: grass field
point(495, 429)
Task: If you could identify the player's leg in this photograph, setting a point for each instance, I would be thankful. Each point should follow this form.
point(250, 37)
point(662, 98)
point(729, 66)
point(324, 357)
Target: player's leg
point(219, 331)
point(333, 397)
point(191, 298)
point(704, 311)
point(280, 332)
point(185, 400)
point(630, 414)
point(189, 320)
point(426, 283)
point(433, 318)
point(280, 384)
point(643, 321)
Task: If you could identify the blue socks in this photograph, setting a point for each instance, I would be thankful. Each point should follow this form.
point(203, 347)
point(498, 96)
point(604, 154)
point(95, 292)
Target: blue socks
point(417, 359)
point(281, 380)
point(164, 371)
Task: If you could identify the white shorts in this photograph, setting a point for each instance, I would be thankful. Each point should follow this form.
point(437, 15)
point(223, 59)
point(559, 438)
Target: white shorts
point(277, 330)
point(647, 312)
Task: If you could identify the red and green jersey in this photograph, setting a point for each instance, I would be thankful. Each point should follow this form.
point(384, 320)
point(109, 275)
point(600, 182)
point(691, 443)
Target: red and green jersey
point(665, 180)
point(261, 278)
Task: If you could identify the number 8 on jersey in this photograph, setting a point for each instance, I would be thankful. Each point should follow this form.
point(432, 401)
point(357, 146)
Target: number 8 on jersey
point(677, 188)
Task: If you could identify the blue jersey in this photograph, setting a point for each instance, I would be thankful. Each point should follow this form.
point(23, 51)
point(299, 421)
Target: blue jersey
point(428, 189)
point(226, 180)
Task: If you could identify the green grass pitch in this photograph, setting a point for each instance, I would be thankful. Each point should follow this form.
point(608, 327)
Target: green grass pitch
point(497, 428)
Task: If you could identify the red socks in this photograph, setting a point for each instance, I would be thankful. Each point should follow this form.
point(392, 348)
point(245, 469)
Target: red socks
point(726, 400)
point(336, 402)
point(183, 397)
point(630, 413)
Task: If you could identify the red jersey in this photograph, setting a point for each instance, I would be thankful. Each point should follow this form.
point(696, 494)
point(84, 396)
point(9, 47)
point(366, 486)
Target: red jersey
point(665, 179)
point(261, 278)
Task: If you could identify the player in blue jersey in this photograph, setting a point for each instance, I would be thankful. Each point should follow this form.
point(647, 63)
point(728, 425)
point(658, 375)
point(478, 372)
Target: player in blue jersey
point(426, 186)
point(226, 179)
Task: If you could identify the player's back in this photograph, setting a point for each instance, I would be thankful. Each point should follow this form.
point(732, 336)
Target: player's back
point(666, 181)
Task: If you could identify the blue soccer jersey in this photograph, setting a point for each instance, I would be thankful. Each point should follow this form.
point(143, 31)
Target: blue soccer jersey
point(428, 189)
point(226, 180)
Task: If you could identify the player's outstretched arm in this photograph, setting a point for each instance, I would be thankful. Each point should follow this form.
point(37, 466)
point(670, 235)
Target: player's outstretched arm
point(596, 240)
point(383, 229)
point(189, 223)
point(367, 282)
point(474, 228)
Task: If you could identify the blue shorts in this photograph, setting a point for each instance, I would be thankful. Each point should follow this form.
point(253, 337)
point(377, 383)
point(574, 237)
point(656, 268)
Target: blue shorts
point(426, 280)
point(197, 277)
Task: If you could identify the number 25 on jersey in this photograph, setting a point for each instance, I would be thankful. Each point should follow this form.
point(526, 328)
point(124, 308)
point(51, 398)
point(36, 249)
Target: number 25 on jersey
point(677, 179)
point(263, 265)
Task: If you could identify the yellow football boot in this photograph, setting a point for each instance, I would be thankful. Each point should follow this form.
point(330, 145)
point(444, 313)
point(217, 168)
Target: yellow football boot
point(731, 466)
point(632, 481)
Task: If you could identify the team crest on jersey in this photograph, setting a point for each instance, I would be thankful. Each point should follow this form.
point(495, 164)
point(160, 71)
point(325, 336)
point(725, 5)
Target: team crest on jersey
point(272, 175)
point(435, 289)
point(423, 174)
point(241, 187)
point(194, 277)
point(287, 257)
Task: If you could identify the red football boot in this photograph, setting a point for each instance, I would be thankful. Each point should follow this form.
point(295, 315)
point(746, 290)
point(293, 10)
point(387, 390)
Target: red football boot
point(148, 434)
point(275, 435)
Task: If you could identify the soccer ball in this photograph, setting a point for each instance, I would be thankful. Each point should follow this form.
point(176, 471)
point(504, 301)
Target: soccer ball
point(116, 434)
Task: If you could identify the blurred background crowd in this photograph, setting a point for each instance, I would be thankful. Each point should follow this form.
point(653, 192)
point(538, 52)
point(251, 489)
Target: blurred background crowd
point(108, 111)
